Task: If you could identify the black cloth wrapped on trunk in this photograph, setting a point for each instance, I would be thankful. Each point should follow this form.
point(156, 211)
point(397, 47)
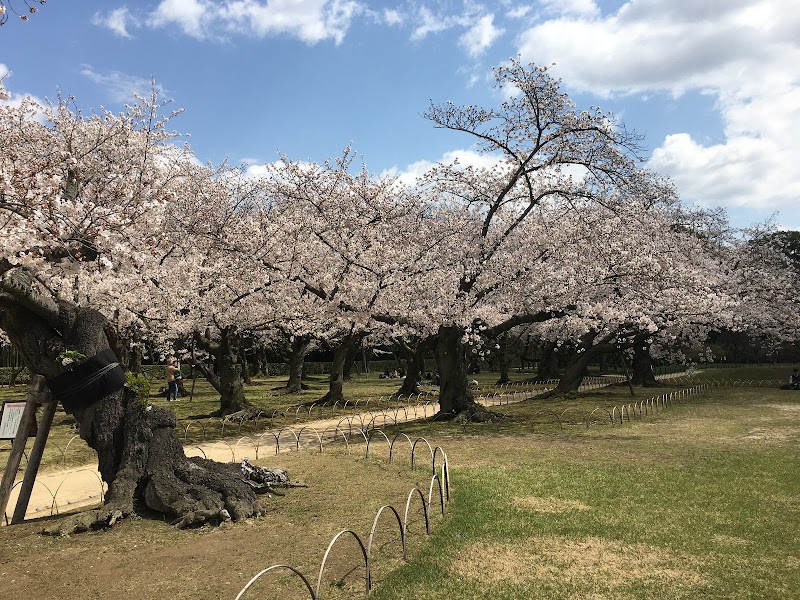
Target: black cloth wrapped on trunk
point(90, 381)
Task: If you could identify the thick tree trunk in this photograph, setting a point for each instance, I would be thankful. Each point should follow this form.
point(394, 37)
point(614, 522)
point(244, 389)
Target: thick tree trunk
point(349, 361)
point(455, 398)
point(415, 365)
point(603, 362)
point(336, 378)
point(297, 356)
point(226, 377)
point(232, 398)
point(643, 373)
point(259, 362)
point(135, 360)
point(574, 373)
point(367, 355)
point(247, 377)
point(548, 362)
point(139, 455)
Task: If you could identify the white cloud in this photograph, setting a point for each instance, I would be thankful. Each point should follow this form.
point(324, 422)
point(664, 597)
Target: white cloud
point(311, 21)
point(117, 21)
point(582, 8)
point(477, 39)
point(120, 86)
point(743, 52)
point(518, 12)
point(192, 16)
point(392, 17)
point(429, 23)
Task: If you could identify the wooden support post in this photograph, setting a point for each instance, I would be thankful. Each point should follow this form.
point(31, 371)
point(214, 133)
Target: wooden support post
point(18, 445)
point(39, 396)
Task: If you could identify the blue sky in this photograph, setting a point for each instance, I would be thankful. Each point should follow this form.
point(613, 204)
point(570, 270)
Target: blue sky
point(714, 84)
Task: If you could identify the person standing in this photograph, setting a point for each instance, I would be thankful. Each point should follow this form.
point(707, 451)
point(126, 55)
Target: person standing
point(172, 383)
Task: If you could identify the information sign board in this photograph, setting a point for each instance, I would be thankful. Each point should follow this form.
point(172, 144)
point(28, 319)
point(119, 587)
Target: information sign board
point(10, 419)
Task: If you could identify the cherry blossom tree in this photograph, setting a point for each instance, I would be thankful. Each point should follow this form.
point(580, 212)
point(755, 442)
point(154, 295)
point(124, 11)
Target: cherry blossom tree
point(547, 151)
point(651, 282)
point(352, 238)
point(85, 210)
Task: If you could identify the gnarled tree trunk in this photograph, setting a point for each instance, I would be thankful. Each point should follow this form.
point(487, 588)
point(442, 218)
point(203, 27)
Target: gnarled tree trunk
point(588, 350)
point(139, 455)
point(576, 370)
point(244, 368)
point(415, 366)
point(349, 360)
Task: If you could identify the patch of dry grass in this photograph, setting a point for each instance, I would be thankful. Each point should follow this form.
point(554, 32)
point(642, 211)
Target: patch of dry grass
point(548, 505)
point(599, 563)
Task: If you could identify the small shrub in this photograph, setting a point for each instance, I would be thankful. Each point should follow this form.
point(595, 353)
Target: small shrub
point(140, 385)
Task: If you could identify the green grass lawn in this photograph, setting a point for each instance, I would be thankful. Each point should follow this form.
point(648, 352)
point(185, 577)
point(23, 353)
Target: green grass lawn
point(699, 501)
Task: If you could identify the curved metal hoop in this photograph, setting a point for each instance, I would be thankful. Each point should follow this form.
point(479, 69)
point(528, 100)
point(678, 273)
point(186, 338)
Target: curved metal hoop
point(293, 432)
point(239, 441)
point(385, 437)
point(441, 492)
point(258, 445)
point(424, 511)
point(549, 412)
point(309, 427)
point(333, 438)
point(445, 470)
point(414, 449)
point(591, 414)
point(95, 473)
point(394, 439)
point(375, 527)
point(272, 568)
point(49, 491)
point(368, 580)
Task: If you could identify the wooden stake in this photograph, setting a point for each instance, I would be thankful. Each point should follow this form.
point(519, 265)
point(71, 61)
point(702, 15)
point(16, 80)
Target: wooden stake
point(32, 469)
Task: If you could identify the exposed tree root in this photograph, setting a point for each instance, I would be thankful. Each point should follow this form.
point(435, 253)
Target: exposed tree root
point(105, 516)
point(285, 389)
point(154, 474)
point(472, 413)
point(326, 400)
